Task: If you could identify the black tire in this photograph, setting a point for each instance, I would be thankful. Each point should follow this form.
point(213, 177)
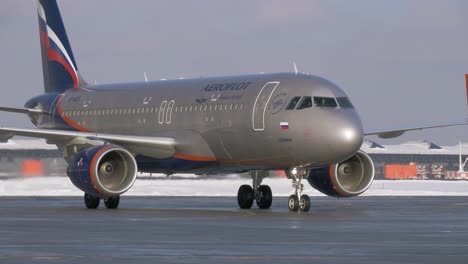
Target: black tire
point(245, 197)
point(293, 203)
point(91, 202)
point(265, 197)
point(112, 202)
point(304, 203)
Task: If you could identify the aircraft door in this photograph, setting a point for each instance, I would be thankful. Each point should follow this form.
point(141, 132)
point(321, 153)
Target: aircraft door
point(260, 105)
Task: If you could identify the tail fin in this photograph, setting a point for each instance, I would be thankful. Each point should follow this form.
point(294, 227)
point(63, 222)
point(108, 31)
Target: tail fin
point(58, 63)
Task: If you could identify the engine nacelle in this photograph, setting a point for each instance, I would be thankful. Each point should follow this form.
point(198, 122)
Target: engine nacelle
point(105, 170)
point(346, 179)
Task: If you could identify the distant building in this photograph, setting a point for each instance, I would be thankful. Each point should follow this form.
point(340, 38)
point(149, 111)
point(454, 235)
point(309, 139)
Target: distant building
point(15, 155)
point(429, 160)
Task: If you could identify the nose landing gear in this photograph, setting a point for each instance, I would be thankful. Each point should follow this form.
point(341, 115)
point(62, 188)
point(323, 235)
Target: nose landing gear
point(262, 194)
point(298, 201)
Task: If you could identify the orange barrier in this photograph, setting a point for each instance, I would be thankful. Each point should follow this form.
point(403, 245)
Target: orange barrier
point(400, 172)
point(32, 168)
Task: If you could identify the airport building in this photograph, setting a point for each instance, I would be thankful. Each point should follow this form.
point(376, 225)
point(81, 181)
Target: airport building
point(415, 160)
point(411, 160)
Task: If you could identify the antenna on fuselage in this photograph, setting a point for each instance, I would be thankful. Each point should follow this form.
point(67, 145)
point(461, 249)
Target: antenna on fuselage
point(296, 71)
point(146, 77)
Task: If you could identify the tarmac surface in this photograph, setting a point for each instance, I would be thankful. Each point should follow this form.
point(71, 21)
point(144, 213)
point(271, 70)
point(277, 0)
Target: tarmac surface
point(213, 230)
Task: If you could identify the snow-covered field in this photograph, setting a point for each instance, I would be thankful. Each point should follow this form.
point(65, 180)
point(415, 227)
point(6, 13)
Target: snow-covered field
point(61, 186)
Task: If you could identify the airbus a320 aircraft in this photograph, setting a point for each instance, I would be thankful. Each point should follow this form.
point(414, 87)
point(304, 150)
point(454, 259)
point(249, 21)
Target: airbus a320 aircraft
point(299, 123)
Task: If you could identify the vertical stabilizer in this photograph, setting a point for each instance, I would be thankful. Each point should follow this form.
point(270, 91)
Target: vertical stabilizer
point(58, 63)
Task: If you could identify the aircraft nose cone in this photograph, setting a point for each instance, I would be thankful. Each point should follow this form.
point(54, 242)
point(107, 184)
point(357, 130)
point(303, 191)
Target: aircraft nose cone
point(338, 138)
point(351, 137)
point(348, 136)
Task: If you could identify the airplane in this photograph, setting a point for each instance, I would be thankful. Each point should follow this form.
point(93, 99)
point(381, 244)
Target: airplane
point(300, 123)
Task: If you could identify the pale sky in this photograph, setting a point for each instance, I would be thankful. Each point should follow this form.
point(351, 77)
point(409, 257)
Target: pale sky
point(402, 62)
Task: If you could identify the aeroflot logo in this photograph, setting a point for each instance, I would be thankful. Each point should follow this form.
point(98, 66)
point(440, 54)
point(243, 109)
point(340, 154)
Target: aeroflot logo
point(222, 87)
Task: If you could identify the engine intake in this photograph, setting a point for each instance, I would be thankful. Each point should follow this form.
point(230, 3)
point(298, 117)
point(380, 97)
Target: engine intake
point(346, 179)
point(105, 170)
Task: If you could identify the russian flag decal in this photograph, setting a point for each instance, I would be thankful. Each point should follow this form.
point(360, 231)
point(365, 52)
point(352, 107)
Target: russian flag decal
point(284, 125)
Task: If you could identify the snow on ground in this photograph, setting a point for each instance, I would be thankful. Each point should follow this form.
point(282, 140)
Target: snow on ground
point(61, 186)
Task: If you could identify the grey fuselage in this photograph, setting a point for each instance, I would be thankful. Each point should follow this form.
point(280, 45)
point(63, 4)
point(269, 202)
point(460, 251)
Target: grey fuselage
point(235, 123)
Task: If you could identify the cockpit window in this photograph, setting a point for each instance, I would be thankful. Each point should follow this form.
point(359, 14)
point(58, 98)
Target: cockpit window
point(293, 103)
point(305, 103)
point(344, 102)
point(325, 102)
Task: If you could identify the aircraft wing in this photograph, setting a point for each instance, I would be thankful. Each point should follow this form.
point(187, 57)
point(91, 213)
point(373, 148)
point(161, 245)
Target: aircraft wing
point(22, 110)
point(161, 147)
point(396, 132)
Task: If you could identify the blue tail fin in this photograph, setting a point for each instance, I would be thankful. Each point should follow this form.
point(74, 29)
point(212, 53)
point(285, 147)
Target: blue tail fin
point(58, 63)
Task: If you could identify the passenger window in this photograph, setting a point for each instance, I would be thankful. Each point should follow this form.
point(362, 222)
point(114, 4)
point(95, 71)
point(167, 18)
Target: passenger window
point(293, 103)
point(344, 102)
point(325, 102)
point(305, 103)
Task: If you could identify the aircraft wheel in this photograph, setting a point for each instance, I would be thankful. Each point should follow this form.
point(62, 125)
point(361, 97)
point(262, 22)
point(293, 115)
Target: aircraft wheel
point(91, 202)
point(304, 203)
point(264, 197)
point(293, 203)
point(245, 197)
point(112, 202)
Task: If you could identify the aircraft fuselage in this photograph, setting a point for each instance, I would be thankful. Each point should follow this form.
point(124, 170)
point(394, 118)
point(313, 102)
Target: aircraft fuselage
point(224, 124)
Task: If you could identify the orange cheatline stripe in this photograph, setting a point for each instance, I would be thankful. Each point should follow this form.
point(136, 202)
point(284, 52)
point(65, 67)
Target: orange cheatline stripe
point(68, 120)
point(193, 158)
point(214, 159)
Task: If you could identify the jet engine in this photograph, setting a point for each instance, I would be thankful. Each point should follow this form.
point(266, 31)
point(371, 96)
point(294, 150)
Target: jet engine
point(105, 170)
point(346, 179)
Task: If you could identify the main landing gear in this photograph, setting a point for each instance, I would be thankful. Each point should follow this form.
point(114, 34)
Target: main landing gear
point(298, 201)
point(92, 202)
point(260, 193)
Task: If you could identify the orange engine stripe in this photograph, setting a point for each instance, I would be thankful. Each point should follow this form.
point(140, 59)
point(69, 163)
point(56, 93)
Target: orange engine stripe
point(91, 167)
point(332, 178)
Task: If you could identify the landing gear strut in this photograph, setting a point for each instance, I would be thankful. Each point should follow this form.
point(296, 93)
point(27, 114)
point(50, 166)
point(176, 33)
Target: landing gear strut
point(92, 202)
point(298, 201)
point(260, 193)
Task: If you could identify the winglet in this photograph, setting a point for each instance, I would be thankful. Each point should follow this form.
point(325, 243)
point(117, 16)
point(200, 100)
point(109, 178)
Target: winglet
point(466, 82)
point(296, 71)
